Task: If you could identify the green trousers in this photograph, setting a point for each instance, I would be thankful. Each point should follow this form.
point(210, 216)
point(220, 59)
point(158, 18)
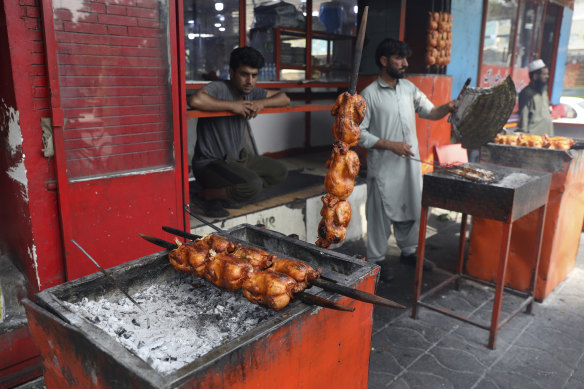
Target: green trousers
point(244, 178)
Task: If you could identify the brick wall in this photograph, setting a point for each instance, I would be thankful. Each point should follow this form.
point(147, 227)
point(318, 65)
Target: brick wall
point(114, 72)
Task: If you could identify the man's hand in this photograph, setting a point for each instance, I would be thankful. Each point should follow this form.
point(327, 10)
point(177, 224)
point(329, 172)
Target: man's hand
point(402, 149)
point(246, 108)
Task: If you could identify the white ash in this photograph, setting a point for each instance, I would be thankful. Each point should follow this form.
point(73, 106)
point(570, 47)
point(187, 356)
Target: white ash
point(188, 318)
point(514, 180)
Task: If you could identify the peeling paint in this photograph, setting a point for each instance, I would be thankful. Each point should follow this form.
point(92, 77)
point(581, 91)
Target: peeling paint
point(10, 123)
point(33, 255)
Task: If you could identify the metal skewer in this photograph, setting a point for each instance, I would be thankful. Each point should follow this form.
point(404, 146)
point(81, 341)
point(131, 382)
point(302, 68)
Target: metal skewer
point(113, 281)
point(322, 282)
point(358, 52)
point(302, 296)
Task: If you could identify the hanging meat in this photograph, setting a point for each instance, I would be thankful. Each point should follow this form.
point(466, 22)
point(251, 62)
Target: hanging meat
point(343, 165)
point(438, 40)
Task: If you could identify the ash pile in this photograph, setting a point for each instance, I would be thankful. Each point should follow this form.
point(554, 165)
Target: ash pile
point(187, 319)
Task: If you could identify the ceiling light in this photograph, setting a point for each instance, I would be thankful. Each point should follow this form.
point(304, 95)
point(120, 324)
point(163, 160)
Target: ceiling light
point(219, 6)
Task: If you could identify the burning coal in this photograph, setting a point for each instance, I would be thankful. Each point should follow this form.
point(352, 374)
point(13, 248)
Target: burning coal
point(188, 318)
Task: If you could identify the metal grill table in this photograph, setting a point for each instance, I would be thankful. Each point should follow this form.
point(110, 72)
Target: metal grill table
point(517, 193)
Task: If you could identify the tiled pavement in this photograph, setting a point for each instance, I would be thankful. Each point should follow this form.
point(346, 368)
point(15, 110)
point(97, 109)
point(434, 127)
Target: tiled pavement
point(542, 350)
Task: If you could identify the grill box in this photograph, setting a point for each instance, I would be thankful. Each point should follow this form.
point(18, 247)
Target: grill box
point(301, 347)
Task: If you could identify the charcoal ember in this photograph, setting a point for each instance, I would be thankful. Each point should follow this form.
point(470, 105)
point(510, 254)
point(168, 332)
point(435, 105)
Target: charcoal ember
point(188, 318)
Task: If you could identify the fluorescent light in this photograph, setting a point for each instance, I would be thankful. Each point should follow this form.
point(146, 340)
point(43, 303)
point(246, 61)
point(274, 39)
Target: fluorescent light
point(217, 24)
point(193, 36)
point(222, 18)
point(191, 21)
point(219, 6)
point(314, 13)
point(221, 28)
point(356, 9)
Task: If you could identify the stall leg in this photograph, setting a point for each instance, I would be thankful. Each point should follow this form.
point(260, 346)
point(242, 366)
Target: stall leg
point(502, 269)
point(539, 234)
point(420, 260)
point(461, 244)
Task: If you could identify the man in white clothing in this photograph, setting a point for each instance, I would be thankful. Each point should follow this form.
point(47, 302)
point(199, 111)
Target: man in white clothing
point(394, 183)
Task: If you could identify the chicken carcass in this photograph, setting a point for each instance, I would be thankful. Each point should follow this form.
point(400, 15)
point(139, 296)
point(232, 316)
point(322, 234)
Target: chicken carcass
point(561, 143)
point(532, 140)
point(301, 272)
point(349, 111)
point(258, 258)
point(227, 272)
point(270, 289)
point(191, 258)
point(343, 165)
point(503, 139)
point(336, 215)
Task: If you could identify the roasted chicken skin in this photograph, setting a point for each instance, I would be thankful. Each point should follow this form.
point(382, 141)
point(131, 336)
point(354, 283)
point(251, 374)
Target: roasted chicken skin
point(336, 215)
point(301, 272)
point(531, 140)
point(349, 111)
point(561, 143)
point(220, 244)
point(258, 258)
point(343, 165)
point(227, 272)
point(191, 258)
point(269, 288)
point(510, 140)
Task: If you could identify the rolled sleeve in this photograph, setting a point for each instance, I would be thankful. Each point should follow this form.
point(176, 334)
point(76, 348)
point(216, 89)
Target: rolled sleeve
point(422, 104)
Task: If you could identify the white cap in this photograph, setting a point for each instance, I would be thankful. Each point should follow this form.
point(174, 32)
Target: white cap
point(535, 65)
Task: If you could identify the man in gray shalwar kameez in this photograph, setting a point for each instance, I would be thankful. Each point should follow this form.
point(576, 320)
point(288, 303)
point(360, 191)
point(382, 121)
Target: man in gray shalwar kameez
point(394, 183)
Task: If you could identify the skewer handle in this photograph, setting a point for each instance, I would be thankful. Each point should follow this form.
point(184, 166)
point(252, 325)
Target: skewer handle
point(213, 226)
point(356, 294)
point(181, 233)
point(358, 52)
point(311, 299)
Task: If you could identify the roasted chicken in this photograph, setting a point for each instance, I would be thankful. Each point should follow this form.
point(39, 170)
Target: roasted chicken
point(269, 288)
point(191, 258)
point(227, 271)
point(336, 215)
point(561, 143)
point(301, 272)
point(343, 165)
point(263, 278)
point(510, 140)
point(530, 140)
point(258, 258)
point(349, 111)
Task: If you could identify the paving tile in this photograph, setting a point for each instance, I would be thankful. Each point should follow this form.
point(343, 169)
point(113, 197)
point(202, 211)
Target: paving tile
point(515, 380)
point(530, 363)
point(430, 369)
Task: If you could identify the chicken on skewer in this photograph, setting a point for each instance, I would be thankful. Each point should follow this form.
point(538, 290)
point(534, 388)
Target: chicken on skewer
point(320, 281)
point(229, 272)
point(336, 215)
point(343, 165)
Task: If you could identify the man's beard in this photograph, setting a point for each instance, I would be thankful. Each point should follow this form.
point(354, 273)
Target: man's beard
point(540, 85)
point(394, 73)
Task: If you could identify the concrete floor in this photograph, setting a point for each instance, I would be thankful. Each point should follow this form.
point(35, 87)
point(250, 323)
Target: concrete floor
point(542, 350)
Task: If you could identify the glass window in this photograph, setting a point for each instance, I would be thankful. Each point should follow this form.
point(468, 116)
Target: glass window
point(335, 17)
point(114, 79)
point(527, 38)
point(211, 33)
point(499, 32)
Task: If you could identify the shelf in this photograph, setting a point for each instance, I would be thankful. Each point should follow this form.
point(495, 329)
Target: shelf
point(288, 109)
point(282, 84)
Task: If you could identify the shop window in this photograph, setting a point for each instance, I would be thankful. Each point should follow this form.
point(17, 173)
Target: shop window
point(499, 32)
point(211, 32)
point(278, 30)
